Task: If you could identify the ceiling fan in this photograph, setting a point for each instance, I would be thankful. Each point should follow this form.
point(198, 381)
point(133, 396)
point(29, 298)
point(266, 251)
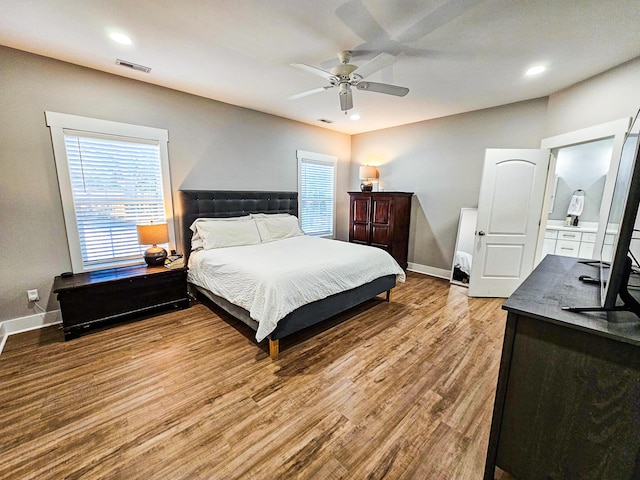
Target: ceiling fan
point(345, 76)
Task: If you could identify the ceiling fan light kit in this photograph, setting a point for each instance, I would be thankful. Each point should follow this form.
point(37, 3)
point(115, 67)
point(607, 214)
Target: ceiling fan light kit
point(344, 77)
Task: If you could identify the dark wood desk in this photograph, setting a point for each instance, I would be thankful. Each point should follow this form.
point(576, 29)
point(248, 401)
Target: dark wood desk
point(568, 396)
point(94, 298)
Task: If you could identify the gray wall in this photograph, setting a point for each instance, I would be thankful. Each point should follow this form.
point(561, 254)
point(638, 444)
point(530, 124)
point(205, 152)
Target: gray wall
point(215, 145)
point(606, 97)
point(441, 161)
point(211, 145)
point(585, 167)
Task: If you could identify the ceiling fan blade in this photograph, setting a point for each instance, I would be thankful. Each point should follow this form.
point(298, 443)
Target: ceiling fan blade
point(346, 100)
point(383, 88)
point(316, 71)
point(375, 64)
point(436, 19)
point(309, 92)
point(356, 16)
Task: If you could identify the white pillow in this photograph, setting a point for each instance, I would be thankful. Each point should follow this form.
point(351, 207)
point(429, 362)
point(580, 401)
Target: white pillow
point(228, 234)
point(196, 240)
point(276, 228)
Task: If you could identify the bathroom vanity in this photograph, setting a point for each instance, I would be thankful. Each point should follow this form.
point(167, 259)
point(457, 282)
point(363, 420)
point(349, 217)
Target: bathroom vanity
point(570, 241)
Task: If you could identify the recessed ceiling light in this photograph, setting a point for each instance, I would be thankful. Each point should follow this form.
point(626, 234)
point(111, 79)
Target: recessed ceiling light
point(537, 70)
point(355, 116)
point(120, 38)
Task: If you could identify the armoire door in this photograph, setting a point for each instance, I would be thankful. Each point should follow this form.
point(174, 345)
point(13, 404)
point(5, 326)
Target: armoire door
point(360, 211)
point(381, 228)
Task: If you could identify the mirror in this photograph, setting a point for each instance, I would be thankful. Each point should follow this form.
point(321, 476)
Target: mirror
point(463, 253)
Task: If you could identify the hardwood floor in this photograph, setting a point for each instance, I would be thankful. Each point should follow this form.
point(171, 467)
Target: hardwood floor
point(400, 390)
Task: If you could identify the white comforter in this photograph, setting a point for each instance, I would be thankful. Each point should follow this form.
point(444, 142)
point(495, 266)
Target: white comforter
point(270, 280)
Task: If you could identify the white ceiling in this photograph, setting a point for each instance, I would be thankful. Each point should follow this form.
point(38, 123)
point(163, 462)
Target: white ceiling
point(453, 55)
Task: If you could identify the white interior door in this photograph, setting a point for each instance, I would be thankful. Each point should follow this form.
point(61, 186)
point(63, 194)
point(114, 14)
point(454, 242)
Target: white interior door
point(509, 209)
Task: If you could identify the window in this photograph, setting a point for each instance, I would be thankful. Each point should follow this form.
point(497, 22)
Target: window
point(112, 176)
point(317, 190)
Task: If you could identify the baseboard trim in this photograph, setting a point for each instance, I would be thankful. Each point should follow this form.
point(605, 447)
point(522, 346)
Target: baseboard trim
point(24, 324)
point(433, 271)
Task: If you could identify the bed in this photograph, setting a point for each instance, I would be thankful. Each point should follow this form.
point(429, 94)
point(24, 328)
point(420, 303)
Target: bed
point(216, 204)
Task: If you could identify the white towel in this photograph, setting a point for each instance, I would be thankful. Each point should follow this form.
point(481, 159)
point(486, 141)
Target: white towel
point(576, 205)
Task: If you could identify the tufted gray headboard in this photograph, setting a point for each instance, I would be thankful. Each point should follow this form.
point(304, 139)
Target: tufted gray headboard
point(230, 203)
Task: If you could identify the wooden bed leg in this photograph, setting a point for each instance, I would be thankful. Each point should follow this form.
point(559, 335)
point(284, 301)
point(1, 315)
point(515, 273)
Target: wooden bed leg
point(274, 349)
point(389, 295)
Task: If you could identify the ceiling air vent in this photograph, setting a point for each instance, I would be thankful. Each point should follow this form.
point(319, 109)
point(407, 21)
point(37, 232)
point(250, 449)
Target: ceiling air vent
point(325, 120)
point(133, 66)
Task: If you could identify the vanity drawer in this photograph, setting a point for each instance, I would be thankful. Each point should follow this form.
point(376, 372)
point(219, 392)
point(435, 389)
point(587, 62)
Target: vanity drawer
point(589, 237)
point(567, 248)
point(551, 234)
point(572, 236)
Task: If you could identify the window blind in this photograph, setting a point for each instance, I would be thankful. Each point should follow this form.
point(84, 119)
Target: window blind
point(116, 183)
point(317, 193)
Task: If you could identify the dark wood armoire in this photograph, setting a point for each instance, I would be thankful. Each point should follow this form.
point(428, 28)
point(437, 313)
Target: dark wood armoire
point(381, 219)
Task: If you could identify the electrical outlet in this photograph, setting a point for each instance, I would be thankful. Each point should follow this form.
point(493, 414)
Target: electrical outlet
point(32, 295)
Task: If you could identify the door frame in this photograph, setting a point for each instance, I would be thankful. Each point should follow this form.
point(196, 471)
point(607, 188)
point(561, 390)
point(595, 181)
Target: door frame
point(617, 130)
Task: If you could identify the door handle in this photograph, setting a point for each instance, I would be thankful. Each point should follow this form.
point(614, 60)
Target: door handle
point(481, 233)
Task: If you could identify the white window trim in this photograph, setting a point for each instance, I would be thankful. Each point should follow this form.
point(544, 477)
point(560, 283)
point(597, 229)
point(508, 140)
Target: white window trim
point(318, 157)
point(58, 122)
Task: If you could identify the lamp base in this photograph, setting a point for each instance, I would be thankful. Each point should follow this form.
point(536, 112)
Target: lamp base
point(366, 186)
point(155, 256)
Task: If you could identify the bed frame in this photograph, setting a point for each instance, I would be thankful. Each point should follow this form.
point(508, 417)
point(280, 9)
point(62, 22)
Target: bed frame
point(224, 203)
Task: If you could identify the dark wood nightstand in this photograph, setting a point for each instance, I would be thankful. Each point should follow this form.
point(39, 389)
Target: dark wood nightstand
point(94, 298)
